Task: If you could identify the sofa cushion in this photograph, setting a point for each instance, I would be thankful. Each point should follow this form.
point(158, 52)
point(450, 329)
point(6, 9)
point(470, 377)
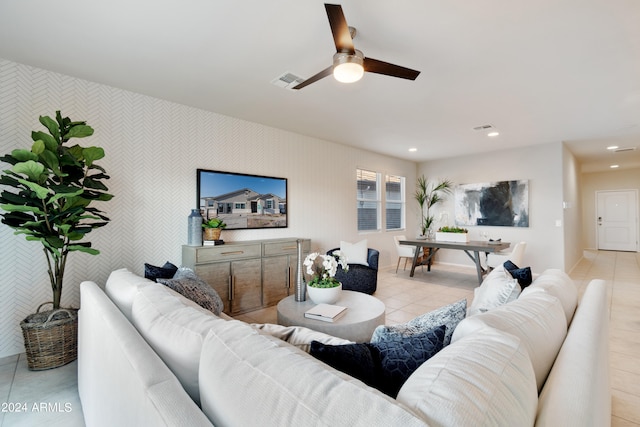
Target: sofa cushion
point(298, 336)
point(153, 272)
point(248, 378)
point(384, 365)
point(557, 283)
point(497, 288)
point(484, 379)
point(355, 253)
point(175, 329)
point(449, 315)
point(536, 319)
point(121, 287)
point(187, 283)
point(121, 380)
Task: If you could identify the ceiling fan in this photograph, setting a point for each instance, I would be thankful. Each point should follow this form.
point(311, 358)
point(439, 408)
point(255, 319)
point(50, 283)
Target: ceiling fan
point(349, 64)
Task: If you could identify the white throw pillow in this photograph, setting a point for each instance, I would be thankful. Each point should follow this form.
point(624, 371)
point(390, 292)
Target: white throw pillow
point(298, 336)
point(485, 379)
point(537, 319)
point(356, 253)
point(497, 289)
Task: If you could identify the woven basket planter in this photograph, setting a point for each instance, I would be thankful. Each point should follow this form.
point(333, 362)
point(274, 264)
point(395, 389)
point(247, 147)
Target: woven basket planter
point(212, 233)
point(50, 338)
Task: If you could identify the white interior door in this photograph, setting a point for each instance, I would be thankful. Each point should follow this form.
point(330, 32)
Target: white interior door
point(617, 213)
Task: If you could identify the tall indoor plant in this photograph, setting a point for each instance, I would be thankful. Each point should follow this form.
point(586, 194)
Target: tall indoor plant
point(49, 191)
point(428, 195)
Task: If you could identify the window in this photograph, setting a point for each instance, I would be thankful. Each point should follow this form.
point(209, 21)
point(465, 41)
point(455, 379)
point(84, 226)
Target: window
point(240, 206)
point(368, 200)
point(394, 202)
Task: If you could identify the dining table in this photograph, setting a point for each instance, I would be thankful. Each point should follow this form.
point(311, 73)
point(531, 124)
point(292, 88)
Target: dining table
point(471, 248)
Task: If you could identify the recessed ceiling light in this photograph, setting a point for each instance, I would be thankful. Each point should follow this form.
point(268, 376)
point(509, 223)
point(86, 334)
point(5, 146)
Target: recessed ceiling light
point(492, 134)
point(413, 149)
point(614, 166)
point(612, 147)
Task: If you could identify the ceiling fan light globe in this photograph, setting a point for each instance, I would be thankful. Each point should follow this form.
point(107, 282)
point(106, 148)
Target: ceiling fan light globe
point(348, 68)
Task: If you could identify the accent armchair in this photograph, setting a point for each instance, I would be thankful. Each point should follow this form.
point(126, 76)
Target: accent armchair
point(360, 278)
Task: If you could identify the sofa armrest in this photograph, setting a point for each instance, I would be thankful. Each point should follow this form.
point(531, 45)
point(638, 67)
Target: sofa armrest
point(577, 391)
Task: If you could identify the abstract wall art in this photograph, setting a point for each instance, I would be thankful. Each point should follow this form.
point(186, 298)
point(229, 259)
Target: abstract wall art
point(502, 203)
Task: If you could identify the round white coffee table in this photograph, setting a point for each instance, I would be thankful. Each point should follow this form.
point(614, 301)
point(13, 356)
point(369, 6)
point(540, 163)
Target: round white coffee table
point(364, 314)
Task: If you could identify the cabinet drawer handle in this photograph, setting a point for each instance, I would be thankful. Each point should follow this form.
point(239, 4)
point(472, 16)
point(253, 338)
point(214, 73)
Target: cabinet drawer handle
point(233, 253)
point(287, 248)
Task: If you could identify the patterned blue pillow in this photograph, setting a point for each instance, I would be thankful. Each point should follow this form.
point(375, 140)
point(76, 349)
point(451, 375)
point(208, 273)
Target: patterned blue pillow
point(385, 365)
point(449, 315)
point(399, 359)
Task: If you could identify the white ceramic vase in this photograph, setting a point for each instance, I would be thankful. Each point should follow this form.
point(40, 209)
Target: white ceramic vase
point(324, 295)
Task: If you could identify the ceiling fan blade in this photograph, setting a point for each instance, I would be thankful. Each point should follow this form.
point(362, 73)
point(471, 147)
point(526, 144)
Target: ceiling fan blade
point(322, 74)
point(340, 29)
point(380, 67)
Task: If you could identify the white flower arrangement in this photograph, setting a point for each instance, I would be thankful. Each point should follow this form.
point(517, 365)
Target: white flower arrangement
point(323, 268)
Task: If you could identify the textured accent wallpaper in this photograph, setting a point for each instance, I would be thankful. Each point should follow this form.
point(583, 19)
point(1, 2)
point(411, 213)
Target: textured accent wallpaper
point(153, 148)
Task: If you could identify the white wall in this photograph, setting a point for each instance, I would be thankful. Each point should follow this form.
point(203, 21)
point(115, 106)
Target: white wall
point(542, 166)
point(153, 148)
point(572, 210)
point(597, 181)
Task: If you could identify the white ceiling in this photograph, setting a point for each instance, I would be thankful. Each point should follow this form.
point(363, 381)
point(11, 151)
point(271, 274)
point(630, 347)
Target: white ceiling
point(540, 71)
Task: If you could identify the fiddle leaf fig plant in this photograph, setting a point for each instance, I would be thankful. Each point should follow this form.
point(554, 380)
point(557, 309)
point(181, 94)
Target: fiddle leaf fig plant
point(49, 193)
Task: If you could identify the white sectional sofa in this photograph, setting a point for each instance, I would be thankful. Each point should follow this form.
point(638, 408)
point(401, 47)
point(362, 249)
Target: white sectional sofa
point(149, 357)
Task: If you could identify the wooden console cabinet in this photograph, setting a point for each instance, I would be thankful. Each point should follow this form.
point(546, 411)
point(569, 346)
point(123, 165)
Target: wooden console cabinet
point(247, 275)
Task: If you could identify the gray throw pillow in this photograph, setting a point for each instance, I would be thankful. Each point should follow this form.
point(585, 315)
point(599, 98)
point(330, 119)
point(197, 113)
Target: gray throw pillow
point(449, 315)
point(189, 285)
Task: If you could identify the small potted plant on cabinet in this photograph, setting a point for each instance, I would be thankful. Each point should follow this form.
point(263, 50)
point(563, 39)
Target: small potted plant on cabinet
point(212, 228)
point(48, 197)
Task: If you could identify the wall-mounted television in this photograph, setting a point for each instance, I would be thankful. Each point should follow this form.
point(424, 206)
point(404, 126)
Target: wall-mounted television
point(241, 200)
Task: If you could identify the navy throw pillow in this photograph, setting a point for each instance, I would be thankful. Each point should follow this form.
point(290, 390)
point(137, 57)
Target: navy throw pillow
point(522, 275)
point(382, 365)
point(356, 360)
point(153, 272)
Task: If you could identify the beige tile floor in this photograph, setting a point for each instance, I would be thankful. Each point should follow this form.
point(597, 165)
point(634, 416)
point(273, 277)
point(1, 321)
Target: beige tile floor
point(405, 298)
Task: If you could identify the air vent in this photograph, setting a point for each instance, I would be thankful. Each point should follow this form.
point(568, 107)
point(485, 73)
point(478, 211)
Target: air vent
point(483, 127)
point(287, 80)
point(623, 149)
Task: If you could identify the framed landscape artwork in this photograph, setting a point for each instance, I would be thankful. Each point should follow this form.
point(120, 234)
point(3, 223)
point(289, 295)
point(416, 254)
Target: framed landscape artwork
point(502, 203)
